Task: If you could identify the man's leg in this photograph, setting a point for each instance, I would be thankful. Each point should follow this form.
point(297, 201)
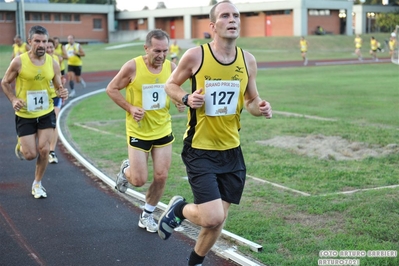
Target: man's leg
point(44, 139)
point(137, 172)
point(80, 80)
point(162, 158)
point(52, 157)
point(210, 216)
point(138, 176)
point(78, 73)
point(207, 236)
point(71, 78)
point(28, 147)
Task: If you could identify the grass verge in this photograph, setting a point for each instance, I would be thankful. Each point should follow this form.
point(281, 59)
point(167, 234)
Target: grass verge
point(292, 228)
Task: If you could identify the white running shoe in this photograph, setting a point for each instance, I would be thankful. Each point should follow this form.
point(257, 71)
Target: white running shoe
point(18, 152)
point(148, 223)
point(38, 191)
point(72, 93)
point(83, 82)
point(52, 158)
point(121, 181)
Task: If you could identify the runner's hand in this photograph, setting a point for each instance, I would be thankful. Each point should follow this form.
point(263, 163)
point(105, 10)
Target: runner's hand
point(62, 93)
point(265, 109)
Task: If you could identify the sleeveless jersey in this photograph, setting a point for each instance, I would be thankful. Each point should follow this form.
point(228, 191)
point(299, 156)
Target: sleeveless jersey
point(58, 51)
point(216, 125)
point(174, 49)
point(374, 44)
point(304, 45)
point(33, 86)
point(52, 89)
point(18, 50)
point(392, 44)
point(358, 42)
point(73, 59)
point(147, 91)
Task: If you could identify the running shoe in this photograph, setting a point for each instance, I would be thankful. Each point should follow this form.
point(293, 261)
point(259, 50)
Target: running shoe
point(18, 152)
point(83, 82)
point(38, 191)
point(72, 93)
point(52, 158)
point(148, 222)
point(121, 181)
point(169, 221)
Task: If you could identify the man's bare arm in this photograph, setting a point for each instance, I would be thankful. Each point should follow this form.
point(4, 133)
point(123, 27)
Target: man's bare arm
point(57, 82)
point(119, 82)
point(188, 63)
point(9, 77)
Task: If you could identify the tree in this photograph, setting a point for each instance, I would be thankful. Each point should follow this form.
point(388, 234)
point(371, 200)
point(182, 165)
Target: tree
point(98, 2)
point(388, 21)
point(65, 1)
point(160, 5)
point(213, 2)
point(375, 2)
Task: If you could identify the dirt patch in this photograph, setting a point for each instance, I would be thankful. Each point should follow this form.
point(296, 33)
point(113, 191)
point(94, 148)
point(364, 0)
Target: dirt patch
point(330, 147)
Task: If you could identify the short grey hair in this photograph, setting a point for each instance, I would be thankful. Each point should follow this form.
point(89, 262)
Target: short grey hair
point(157, 34)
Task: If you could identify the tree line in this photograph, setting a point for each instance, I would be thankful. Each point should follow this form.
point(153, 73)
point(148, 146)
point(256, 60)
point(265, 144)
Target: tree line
point(101, 2)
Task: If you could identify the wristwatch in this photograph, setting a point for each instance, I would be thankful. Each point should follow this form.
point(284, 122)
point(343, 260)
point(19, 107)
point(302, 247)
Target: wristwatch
point(185, 99)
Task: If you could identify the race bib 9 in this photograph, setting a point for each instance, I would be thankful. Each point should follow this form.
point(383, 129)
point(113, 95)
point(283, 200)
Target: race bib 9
point(154, 96)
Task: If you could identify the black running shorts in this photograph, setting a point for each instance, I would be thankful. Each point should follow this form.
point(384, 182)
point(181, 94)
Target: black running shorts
point(75, 69)
point(215, 174)
point(30, 126)
point(147, 145)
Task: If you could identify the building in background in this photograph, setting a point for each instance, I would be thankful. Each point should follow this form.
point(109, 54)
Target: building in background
point(88, 23)
point(101, 23)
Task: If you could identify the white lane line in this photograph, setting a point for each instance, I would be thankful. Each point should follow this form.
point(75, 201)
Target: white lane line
point(122, 46)
point(279, 186)
point(306, 116)
point(99, 131)
point(357, 190)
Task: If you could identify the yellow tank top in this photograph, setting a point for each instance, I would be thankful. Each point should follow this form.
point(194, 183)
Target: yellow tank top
point(392, 44)
point(18, 50)
point(358, 42)
point(52, 89)
point(174, 49)
point(147, 91)
point(58, 51)
point(33, 86)
point(304, 45)
point(216, 125)
point(374, 44)
point(73, 59)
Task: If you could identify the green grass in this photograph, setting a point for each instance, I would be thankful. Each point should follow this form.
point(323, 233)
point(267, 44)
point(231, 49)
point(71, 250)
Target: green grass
point(364, 100)
point(293, 229)
point(266, 49)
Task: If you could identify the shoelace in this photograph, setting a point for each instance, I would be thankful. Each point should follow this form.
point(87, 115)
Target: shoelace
point(150, 220)
point(39, 189)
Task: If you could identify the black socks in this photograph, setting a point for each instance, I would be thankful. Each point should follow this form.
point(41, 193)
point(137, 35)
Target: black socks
point(179, 209)
point(195, 259)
